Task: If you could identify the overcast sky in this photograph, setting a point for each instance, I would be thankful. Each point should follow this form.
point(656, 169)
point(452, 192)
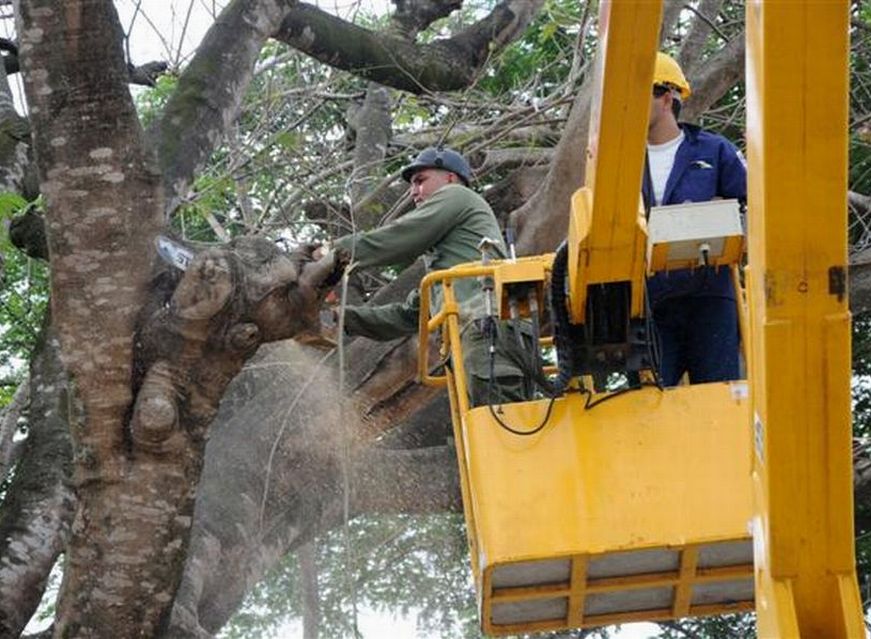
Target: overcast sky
point(171, 29)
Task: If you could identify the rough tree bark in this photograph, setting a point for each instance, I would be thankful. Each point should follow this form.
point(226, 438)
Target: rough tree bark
point(36, 514)
point(98, 183)
point(371, 123)
point(10, 449)
point(447, 64)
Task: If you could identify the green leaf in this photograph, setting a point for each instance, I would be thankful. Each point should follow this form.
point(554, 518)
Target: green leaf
point(11, 203)
point(548, 31)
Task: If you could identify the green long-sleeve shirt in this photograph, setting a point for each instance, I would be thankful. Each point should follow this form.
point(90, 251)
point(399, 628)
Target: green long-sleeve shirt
point(446, 229)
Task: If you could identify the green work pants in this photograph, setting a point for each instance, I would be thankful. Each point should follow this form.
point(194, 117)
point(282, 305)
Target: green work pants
point(508, 384)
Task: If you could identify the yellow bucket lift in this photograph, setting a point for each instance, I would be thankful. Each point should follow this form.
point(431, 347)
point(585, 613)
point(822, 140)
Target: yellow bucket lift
point(621, 510)
point(597, 507)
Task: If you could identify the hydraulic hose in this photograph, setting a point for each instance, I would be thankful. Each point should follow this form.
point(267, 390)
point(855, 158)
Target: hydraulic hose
point(561, 321)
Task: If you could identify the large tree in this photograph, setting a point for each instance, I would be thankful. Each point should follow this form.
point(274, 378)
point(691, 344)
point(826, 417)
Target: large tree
point(161, 533)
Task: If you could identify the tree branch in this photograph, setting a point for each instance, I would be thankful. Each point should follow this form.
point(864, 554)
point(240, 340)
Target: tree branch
point(448, 64)
point(38, 508)
point(210, 90)
point(9, 426)
point(371, 124)
point(543, 135)
point(715, 77)
point(413, 16)
point(263, 425)
point(692, 47)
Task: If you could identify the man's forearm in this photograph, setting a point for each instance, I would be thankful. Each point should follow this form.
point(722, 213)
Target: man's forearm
point(381, 323)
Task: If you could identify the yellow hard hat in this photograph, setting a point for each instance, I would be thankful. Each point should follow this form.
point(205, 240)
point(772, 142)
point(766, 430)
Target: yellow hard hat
point(668, 71)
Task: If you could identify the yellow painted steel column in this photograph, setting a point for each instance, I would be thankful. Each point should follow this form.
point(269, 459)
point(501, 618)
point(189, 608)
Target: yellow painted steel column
point(797, 109)
point(607, 232)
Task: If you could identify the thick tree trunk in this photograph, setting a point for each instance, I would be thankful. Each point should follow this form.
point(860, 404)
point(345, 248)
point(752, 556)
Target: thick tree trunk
point(99, 185)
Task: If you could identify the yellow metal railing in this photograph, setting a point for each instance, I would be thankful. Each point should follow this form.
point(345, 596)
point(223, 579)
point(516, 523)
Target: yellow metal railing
point(447, 318)
point(450, 309)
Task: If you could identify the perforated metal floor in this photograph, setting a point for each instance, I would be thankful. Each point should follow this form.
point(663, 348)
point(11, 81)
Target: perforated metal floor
point(594, 590)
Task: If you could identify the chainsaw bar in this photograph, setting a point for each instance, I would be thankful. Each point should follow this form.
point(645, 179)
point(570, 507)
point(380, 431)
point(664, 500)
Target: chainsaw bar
point(174, 253)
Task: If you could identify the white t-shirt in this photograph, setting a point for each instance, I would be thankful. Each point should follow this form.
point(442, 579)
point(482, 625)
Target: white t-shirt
point(660, 159)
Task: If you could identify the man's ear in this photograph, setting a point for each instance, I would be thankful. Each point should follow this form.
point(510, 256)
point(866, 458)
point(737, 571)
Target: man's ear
point(669, 98)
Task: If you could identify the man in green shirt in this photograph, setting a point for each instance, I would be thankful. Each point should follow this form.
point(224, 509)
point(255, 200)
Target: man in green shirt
point(446, 226)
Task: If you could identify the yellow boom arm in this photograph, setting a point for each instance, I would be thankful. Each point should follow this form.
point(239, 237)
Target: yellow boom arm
point(607, 231)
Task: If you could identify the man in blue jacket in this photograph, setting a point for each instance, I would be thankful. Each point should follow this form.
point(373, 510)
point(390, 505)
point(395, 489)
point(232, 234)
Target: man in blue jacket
point(694, 311)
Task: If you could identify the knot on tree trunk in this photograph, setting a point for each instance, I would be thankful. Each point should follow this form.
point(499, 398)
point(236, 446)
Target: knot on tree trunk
point(204, 290)
point(202, 324)
point(242, 337)
point(155, 414)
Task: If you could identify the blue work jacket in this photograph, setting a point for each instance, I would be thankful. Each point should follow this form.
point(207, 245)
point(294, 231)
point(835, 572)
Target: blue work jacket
point(706, 166)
